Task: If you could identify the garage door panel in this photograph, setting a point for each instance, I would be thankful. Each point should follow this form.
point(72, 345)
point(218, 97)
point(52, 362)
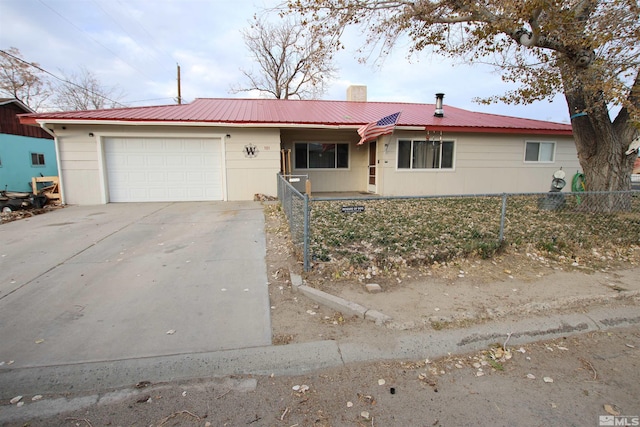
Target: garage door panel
point(157, 177)
point(176, 160)
point(148, 169)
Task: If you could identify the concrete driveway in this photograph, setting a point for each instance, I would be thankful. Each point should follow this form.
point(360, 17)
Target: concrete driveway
point(122, 281)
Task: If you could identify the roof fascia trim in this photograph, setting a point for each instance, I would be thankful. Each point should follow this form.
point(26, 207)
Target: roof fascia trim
point(507, 131)
point(430, 128)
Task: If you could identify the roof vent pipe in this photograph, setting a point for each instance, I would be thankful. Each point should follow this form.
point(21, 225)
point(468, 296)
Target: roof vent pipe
point(439, 110)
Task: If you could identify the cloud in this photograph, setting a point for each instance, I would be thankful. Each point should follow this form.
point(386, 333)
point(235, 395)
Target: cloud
point(136, 45)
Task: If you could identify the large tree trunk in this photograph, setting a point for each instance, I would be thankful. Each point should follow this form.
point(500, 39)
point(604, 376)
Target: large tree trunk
point(601, 144)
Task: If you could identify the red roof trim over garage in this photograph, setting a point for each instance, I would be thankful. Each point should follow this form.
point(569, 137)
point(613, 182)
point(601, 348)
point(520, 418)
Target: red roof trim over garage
point(306, 113)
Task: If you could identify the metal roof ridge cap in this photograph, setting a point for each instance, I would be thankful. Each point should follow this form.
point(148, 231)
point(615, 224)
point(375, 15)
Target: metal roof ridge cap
point(189, 123)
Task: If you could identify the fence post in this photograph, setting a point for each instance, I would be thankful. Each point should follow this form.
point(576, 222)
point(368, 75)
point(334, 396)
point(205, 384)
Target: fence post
point(306, 237)
point(502, 215)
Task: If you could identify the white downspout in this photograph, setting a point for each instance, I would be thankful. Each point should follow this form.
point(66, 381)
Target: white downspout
point(57, 149)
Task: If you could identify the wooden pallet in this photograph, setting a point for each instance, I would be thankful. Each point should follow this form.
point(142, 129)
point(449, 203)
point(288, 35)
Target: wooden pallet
point(51, 191)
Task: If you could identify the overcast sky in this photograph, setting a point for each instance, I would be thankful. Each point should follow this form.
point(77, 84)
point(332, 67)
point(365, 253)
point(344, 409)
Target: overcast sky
point(136, 44)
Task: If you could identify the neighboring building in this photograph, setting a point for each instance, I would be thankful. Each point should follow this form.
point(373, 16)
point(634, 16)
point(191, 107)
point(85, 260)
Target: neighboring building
point(25, 151)
point(231, 149)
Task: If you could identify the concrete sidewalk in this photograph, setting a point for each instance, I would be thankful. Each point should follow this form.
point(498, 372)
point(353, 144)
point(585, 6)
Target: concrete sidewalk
point(123, 281)
point(297, 359)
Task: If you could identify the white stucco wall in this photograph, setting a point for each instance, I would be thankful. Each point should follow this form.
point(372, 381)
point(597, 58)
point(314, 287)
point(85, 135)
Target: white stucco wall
point(82, 163)
point(353, 178)
point(482, 164)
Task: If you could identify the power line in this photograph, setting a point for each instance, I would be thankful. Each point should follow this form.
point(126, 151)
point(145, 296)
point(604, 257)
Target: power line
point(93, 39)
point(153, 99)
point(105, 12)
point(61, 79)
point(151, 37)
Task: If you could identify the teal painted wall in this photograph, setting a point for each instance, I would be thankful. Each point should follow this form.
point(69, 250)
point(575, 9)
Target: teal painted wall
point(16, 169)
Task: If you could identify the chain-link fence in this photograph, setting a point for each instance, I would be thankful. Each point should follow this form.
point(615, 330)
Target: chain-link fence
point(387, 232)
point(296, 208)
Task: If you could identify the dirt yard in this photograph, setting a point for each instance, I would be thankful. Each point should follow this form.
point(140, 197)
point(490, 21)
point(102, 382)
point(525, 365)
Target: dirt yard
point(459, 294)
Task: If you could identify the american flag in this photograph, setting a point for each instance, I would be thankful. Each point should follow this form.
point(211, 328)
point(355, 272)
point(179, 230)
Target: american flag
point(373, 130)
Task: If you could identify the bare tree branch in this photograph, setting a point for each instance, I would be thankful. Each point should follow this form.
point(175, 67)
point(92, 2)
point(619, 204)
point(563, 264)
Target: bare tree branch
point(22, 80)
point(83, 91)
point(291, 63)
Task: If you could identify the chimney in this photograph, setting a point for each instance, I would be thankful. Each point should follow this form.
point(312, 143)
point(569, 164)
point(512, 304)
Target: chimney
point(357, 93)
point(439, 110)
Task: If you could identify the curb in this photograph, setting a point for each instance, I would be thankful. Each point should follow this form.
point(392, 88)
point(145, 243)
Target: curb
point(336, 303)
point(292, 359)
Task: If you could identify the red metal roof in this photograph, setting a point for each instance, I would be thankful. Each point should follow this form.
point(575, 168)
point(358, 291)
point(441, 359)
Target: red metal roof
point(307, 113)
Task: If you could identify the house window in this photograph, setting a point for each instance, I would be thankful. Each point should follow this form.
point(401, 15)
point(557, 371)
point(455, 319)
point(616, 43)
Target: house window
point(421, 154)
point(320, 155)
point(539, 151)
point(37, 159)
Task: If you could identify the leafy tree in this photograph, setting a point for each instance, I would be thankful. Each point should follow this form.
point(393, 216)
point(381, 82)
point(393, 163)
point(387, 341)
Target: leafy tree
point(23, 81)
point(587, 49)
point(292, 62)
point(83, 91)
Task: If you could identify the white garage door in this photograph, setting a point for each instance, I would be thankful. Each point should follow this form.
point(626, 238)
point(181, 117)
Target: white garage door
point(163, 169)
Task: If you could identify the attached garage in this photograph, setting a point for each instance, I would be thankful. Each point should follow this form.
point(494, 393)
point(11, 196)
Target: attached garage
point(163, 169)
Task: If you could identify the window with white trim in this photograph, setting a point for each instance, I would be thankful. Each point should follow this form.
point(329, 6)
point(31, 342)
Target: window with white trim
point(422, 154)
point(321, 155)
point(37, 159)
point(539, 152)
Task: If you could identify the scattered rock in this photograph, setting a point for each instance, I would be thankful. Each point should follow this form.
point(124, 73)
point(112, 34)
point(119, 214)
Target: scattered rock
point(611, 410)
point(349, 404)
point(531, 376)
point(381, 382)
point(15, 400)
point(36, 397)
point(144, 399)
point(264, 198)
point(365, 415)
point(373, 288)
point(547, 379)
point(171, 331)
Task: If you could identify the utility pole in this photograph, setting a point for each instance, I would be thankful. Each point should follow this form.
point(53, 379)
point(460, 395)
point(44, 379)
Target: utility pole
point(179, 91)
